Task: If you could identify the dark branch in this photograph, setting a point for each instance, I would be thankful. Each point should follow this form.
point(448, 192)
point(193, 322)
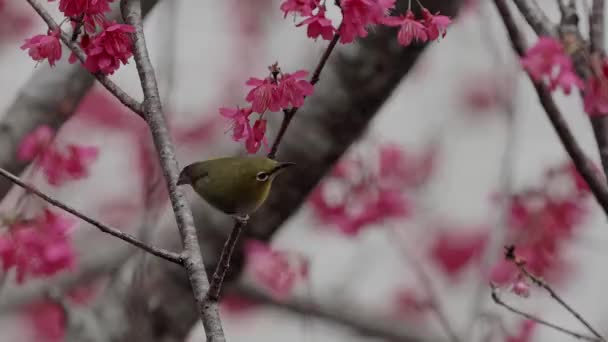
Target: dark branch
point(224, 263)
point(538, 320)
point(536, 18)
point(159, 252)
point(596, 27)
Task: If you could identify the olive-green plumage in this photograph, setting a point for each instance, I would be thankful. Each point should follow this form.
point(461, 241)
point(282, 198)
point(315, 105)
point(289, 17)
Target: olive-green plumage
point(235, 185)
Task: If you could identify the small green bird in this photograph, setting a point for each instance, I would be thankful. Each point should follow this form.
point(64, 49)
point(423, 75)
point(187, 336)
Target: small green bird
point(237, 186)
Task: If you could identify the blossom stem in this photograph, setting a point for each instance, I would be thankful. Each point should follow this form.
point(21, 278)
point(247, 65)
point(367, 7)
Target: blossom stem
point(583, 165)
point(159, 252)
point(290, 113)
point(496, 298)
point(112, 87)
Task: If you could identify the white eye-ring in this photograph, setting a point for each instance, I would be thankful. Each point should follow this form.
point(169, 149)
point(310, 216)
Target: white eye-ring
point(261, 176)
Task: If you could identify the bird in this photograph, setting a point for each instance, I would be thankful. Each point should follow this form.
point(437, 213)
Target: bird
point(236, 186)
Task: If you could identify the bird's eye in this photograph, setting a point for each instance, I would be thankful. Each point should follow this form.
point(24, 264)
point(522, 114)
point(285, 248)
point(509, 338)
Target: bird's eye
point(261, 176)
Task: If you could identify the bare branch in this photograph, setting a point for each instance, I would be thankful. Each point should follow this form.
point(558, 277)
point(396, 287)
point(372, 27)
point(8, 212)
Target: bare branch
point(536, 18)
point(159, 252)
point(521, 265)
point(538, 320)
point(153, 114)
point(583, 165)
point(120, 94)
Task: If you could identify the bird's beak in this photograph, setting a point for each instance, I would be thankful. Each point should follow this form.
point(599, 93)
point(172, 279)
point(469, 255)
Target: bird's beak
point(281, 166)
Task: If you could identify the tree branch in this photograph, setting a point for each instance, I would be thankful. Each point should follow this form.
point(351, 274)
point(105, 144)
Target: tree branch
point(153, 115)
point(511, 256)
point(159, 252)
point(538, 320)
point(583, 165)
point(536, 18)
point(120, 94)
point(224, 263)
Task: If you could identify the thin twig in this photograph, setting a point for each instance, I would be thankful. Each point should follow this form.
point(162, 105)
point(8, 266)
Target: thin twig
point(538, 320)
point(536, 18)
point(510, 255)
point(112, 87)
point(224, 263)
point(288, 114)
point(582, 163)
point(193, 260)
point(596, 27)
point(159, 252)
point(426, 282)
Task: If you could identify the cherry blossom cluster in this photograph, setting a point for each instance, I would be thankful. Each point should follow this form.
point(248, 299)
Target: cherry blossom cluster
point(37, 247)
point(276, 270)
point(359, 15)
point(107, 44)
point(278, 91)
point(358, 194)
point(58, 164)
point(547, 61)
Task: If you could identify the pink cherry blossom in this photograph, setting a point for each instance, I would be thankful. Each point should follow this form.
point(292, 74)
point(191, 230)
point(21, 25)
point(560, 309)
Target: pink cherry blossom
point(78, 159)
point(319, 25)
point(39, 247)
point(236, 304)
point(521, 287)
point(276, 270)
point(411, 303)
point(301, 7)
point(359, 194)
point(264, 96)
point(596, 91)
point(357, 15)
point(436, 25)
point(525, 332)
point(256, 136)
point(44, 47)
point(76, 8)
point(548, 60)
point(293, 89)
point(453, 249)
point(240, 120)
point(411, 29)
point(35, 143)
point(110, 48)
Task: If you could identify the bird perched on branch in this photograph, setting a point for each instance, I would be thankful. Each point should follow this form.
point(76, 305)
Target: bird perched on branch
point(237, 186)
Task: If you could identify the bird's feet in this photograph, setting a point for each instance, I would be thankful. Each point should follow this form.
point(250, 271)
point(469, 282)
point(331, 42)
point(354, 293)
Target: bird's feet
point(242, 218)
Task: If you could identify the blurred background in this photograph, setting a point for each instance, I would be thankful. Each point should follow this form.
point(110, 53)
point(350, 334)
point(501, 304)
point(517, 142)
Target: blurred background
point(417, 165)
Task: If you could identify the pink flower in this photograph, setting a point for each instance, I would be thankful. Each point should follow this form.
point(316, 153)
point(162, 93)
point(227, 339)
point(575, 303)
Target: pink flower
point(256, 136)
point(275, 270)
point(240, 116)
point(109, 48)
point(358, 14)
point(264, 96)
point(547, 59)
point(302, 7)
point(411, 30)
point(77, 8)
point(319, 25)
point(35, 143)
point(44, 47)
point(521, 287)
point(453, 250)
point(596, 91)
point(78, 159)
point(436, 25)
point(293, 89)
point(236, 304)
point(409, 302)
point(36, 248)
point(525, 332)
